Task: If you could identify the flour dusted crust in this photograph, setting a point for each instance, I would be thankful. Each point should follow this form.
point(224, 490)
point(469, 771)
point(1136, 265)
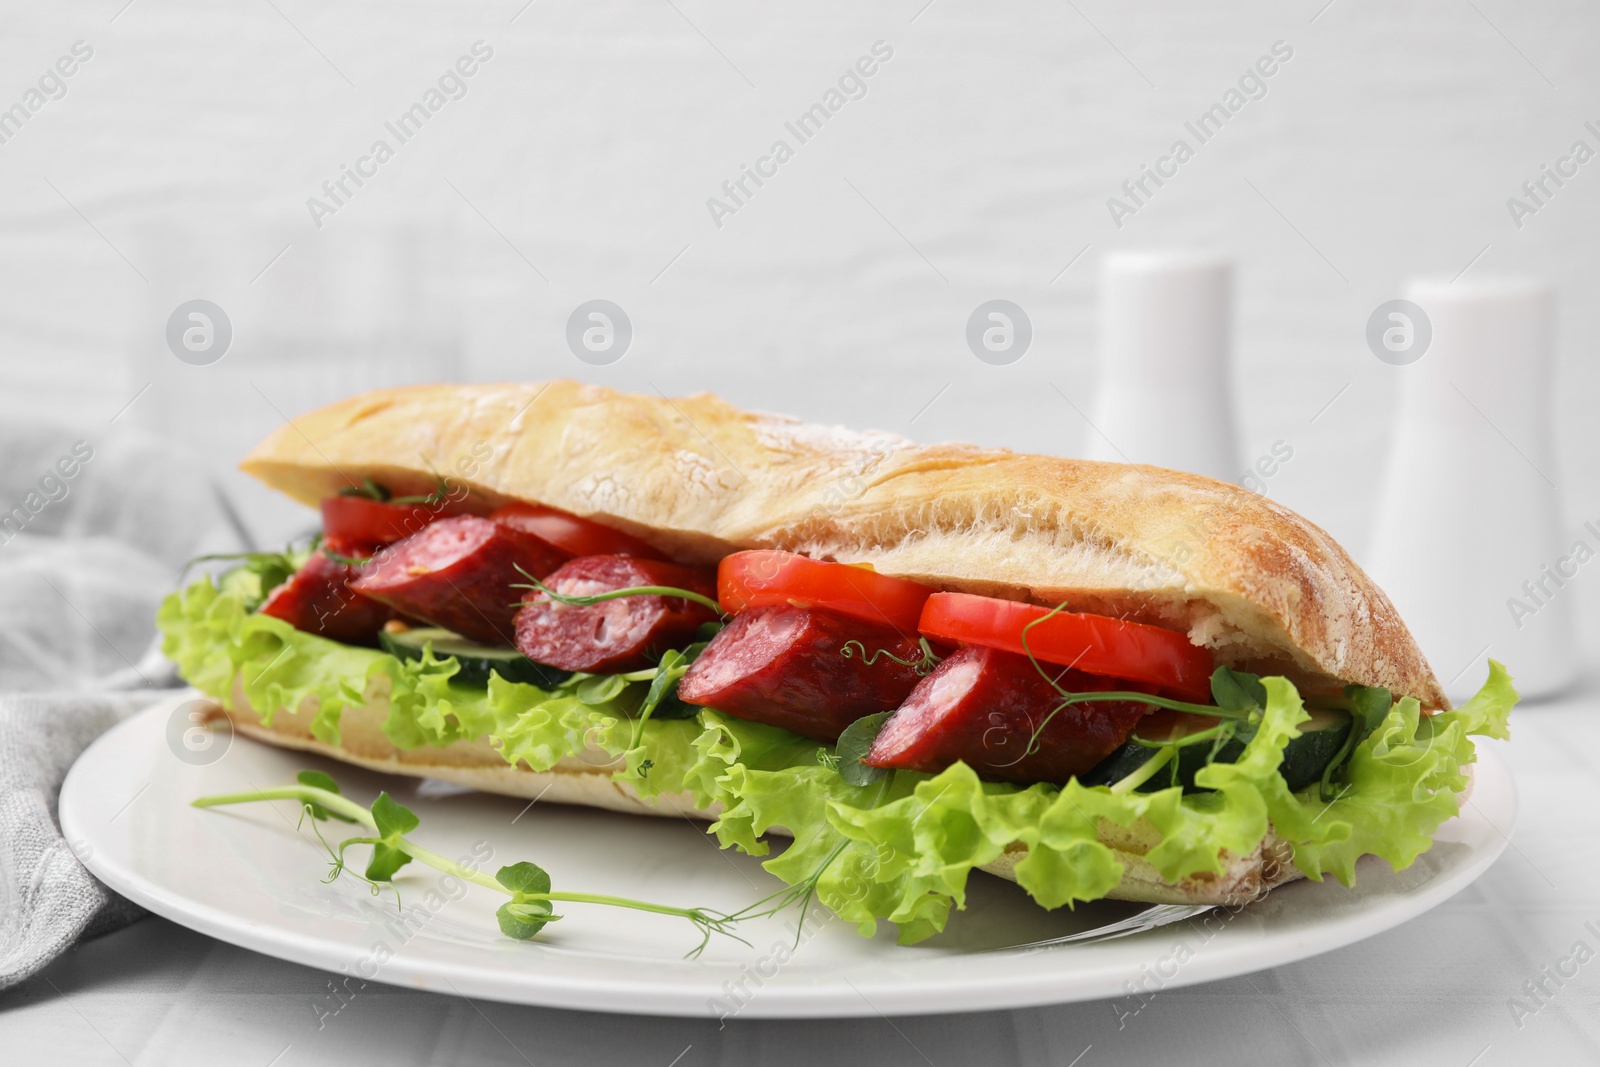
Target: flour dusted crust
point(586, 780)
point(1246, 578)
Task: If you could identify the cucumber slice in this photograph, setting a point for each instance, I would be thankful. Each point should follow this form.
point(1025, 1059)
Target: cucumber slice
point(1304, 759)
point(477, 662)
point(1320, 740)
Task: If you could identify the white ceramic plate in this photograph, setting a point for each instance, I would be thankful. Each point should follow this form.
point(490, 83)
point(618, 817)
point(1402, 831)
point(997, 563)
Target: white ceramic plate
point(247, 876)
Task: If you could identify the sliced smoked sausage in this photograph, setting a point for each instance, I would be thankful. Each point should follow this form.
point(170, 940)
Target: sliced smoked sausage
point(626, 634)
point(458, 573)
point(318, 600)
point(787, 667)
point(983, 706)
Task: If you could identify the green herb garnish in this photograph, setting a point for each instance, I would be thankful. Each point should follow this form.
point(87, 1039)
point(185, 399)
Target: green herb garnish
point(923, 666)
point(267, 569)
point(1368, 706)
point(673, 666)
point(1241, 701)
point(854, 743)
point(528, 911)
point(368, 488)
point(441, 491)
point(610, 594)
point(804, 891)
point(372, 490)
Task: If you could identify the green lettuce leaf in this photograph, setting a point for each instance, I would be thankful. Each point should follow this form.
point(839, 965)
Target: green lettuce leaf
point(905, 854)
point(1403, 782)
point(903, 847)
point(218, 643)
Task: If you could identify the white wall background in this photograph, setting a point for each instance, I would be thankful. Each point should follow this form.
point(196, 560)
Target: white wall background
point(578, 165)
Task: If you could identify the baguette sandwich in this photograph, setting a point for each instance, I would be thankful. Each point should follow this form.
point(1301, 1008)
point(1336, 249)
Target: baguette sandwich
point(1096, 680)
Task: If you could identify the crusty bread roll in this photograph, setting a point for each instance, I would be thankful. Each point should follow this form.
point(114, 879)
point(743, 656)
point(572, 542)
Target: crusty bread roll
point(1248, 579)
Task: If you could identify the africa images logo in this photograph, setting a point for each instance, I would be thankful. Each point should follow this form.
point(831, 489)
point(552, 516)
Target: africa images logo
point(852, 85)
point(451, 85)
point(51, 85)
point(1252, 85)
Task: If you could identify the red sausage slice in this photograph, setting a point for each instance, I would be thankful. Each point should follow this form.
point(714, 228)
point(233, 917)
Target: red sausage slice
point(625, 634)
point(786, 667)
point(458, 573)
point(318, 600)
point(982, 706)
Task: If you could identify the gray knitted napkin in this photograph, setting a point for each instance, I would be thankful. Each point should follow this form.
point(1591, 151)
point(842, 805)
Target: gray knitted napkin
point(92, 535)
point(50, 898)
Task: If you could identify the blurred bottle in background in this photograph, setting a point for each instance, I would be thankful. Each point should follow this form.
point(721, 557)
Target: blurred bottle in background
point(1470, 541)
point(1165, 379)
point(246, 327)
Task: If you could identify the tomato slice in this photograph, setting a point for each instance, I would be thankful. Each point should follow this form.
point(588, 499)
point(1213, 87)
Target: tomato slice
point(360, 520)
point(1095, 644)
point(572, 535)
point(767, 578)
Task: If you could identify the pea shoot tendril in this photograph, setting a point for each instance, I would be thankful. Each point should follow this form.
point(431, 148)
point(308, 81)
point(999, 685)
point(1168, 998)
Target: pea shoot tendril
point(923, 665)
point(531, 904)
point(584, 600)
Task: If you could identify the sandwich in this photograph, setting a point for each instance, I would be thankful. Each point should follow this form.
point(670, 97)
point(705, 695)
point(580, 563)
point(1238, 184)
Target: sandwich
point(912, 661)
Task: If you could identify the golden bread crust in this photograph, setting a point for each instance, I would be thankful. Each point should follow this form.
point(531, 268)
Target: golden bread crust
point(1247, 578)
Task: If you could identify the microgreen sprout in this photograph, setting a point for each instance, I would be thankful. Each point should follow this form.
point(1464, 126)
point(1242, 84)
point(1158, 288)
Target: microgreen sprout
point(372, 490)
point(674, 665)
point(271, 569)
point(368, 488)
point(1239, 696)
point(585, 600)
point(1168, 752)
point(924, 665)
point(1367, 706)
point(255, 561)
point(1146, 771)
point(1240, 701)
point(388, 823)
point(441, 490)
point(805, 890)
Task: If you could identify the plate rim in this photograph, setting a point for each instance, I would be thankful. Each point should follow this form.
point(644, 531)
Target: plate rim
point(657, 998)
